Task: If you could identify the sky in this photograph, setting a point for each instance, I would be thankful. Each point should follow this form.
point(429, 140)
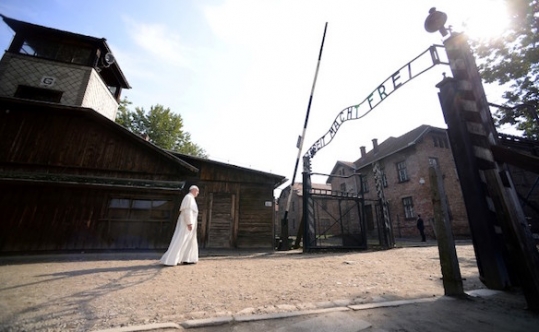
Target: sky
point(241, 72)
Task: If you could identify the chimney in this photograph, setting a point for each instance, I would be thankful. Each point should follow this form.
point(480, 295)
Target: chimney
point(375, 145)
point(363, 151)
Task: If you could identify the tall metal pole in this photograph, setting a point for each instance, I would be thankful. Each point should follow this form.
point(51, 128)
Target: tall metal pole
point(284, 223)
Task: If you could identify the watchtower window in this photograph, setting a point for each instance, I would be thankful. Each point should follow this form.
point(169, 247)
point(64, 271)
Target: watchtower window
point(54, 50)
point(33, 93)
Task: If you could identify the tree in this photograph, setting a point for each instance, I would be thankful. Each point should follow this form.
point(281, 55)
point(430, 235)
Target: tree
point(513, 59)
point(163, 128)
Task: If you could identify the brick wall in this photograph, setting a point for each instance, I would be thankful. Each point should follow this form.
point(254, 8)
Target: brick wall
point(417, 187)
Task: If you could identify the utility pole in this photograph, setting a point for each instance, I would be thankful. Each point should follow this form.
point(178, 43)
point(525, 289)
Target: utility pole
point(284, 223)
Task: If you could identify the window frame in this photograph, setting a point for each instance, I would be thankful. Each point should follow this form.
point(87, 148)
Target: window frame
point(56, 50)
point(402, 172)
point(384, 177)
point(40, 94)
point(133, 213)
point(408, 206)
point(440, 141)
point(364, 184)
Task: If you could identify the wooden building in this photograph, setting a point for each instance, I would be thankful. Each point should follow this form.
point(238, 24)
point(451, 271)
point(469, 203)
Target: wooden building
point(236, 205)
point(73, 179)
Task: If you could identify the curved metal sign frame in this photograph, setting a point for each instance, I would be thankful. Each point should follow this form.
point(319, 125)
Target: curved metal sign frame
point(396, 80)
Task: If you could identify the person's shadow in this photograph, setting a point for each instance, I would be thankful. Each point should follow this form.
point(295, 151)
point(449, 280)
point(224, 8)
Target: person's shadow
point(77, 305)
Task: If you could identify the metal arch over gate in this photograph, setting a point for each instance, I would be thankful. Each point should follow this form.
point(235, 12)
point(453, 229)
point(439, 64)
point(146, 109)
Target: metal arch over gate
point(396, 80)
point(344, 223)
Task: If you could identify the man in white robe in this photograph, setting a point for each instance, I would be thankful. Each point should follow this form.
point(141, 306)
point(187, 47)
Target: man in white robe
point(184, 246)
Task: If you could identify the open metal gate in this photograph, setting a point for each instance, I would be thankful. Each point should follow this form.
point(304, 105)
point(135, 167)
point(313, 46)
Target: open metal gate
point(341, 220)
point(333, 220)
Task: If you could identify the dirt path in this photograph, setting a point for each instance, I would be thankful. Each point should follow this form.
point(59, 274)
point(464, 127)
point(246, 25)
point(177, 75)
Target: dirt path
point(88, 292)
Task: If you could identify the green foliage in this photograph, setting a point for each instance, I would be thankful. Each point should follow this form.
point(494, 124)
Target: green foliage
point(163, 127)
point(513, 59)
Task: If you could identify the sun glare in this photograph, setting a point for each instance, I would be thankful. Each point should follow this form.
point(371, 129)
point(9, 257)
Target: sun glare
point(485, 19)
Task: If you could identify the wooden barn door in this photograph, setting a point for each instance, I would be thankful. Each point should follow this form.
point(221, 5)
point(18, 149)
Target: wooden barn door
point(221, 220)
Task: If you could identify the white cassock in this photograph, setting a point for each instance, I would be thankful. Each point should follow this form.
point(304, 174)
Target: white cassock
point(184, 246)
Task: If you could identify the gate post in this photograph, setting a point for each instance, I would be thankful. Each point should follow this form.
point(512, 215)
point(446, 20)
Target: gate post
point(387, 229)
point(308, 208)
point(495, 219)
point(471, 131)
point(485, 230)
point(452, 279)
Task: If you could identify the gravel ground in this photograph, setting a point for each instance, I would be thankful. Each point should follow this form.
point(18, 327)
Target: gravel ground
point(85, 292)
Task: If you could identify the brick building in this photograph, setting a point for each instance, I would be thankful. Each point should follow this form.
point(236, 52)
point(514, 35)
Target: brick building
point(404, 162)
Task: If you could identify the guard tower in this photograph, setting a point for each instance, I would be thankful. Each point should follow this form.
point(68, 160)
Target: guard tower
point(56, 66)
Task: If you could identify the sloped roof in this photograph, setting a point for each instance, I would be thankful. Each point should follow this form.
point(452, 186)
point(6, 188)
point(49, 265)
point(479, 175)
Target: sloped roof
point(348, 164)
point(14, 104)
point(278, 179)
point(395, 144)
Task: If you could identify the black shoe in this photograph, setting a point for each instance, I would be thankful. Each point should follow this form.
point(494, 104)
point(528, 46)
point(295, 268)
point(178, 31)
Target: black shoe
point(187, 263)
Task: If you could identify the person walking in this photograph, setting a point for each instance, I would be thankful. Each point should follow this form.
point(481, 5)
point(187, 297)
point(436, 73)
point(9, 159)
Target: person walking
point(421, 227)
point(184, 246)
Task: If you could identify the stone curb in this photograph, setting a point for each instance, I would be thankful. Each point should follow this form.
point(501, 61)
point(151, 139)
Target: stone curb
point(287, 314)
point(147, 327)
point(396, 303)
point(197, 323)
point(194, 323)
point(216, 321)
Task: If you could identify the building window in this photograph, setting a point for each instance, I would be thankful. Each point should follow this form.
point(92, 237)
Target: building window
point(440, 141)
point(364, 184)
point(127, 209)
point(343, 187)
point(33, 93)
point(58, 51)
point(408, 205)
point(384, 177)
point(402, 172)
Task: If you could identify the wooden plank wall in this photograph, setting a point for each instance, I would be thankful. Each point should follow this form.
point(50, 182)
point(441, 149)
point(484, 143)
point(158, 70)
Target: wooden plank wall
point(233, 215)
point(255, 227)
point(221, 216)
point(45, 217)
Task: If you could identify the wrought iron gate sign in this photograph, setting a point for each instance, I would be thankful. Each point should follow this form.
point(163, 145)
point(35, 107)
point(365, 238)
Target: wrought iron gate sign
point(402, 76)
